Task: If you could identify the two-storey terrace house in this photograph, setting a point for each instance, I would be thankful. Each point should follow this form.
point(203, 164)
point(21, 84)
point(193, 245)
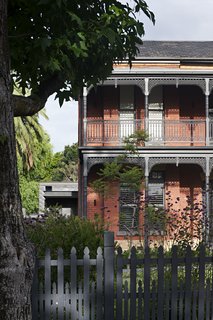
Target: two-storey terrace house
point(168, 92)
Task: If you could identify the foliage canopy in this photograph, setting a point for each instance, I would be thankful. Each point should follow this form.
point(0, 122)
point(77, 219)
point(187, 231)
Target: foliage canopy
point(66, 168)
point(59, 46)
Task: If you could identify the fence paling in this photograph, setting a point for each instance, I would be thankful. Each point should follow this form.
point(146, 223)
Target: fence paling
point(180, 301)
point(126, 301)
point(47, 283)
point(133, 263)
point(201, 283)
point(194, 306)
point(60, 285)
point(188, 270)
point(150, 297)
point(207, 295)
point(109, 276)
point(73, 277)
point(167, 299)
point(99, 290)
point(80, 299)
point(174, 283)
point(140, 299)
point(119, 285)
point(146, 283)
point(160, 282)
point(86, 283)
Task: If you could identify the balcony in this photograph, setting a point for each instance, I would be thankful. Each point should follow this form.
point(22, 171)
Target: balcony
point(161, 132)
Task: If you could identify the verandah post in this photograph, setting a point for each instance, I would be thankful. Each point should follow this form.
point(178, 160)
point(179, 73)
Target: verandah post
point(108, 275)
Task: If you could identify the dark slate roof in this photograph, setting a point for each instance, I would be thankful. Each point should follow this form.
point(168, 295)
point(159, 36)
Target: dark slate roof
point(176, 50)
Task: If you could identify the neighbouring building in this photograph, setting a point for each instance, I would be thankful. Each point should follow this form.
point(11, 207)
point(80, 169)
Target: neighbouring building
point(168, 93)
point(60, 194)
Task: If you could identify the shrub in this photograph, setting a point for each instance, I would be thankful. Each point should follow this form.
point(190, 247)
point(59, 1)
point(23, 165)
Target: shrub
point(54, 230)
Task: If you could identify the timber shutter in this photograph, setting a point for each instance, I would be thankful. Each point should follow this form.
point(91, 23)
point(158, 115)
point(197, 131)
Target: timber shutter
point(156, 202)
point(128, 209)
point(156, 188)
point(156, 194)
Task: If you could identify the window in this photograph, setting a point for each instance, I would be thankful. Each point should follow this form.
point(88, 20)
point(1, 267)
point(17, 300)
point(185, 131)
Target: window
point(156, 194)
point(48, 188)
point(156, 216)
point(126, 98)
point(156, 114)
point(128, 220)
point(126, 111)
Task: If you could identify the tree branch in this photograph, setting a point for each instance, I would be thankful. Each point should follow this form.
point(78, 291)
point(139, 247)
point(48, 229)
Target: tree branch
point(28, 106)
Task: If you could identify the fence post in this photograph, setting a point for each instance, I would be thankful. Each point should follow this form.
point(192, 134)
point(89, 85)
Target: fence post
point(108, 275)
point(34, 292)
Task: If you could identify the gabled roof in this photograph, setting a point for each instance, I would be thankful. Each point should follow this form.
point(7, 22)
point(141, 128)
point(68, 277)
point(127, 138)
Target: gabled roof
point(180, 50)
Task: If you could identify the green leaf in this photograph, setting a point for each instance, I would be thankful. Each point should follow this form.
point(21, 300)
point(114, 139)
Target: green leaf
point(75, 17)
point(45, 43)
point(109, 34)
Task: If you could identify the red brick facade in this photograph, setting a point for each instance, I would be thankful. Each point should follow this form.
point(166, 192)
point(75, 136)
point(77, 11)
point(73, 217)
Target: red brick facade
point(173, 107)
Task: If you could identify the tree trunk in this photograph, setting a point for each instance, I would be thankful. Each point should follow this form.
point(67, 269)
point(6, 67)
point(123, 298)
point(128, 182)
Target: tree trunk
point(16, 254)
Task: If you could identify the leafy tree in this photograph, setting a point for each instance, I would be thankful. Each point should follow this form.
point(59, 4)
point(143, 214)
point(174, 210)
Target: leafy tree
point(71, 153)
point(61, 166)
point(29, 190)
point(67, 172)
point(67, 166)
point(40, 171)
point(69, 44)
point(55, 46)
point(34, 153)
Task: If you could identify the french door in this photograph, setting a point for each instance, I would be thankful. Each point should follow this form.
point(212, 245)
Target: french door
point(126, 111)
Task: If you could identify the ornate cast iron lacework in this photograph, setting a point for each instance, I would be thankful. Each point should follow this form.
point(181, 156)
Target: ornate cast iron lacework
point(91, 161)
point(177, 81)
point(201, 161)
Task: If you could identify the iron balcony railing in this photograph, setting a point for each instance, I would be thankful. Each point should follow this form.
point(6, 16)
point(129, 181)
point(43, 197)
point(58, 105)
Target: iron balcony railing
point(165, 132)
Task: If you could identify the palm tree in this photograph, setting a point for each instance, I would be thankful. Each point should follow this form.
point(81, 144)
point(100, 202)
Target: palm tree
point(29, 133)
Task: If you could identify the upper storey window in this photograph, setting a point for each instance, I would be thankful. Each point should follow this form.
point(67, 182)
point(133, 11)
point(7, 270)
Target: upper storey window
point(126, 111)
point(156, 99)
point(156, 114)
point(126, 98)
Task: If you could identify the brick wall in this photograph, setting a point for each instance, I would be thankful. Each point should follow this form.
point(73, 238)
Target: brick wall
point(180, 182)
point(108, 208)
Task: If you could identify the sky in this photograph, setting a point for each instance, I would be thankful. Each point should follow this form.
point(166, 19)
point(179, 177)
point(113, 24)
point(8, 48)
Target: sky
point(62, 125)
point(175, 20)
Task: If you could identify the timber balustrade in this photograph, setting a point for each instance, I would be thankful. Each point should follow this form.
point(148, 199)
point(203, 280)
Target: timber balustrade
point(165, 132)
point(112, 286)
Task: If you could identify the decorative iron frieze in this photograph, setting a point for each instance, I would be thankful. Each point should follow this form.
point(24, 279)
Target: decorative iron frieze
point(201, 161)
point(91, 161)
point(177, 81)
